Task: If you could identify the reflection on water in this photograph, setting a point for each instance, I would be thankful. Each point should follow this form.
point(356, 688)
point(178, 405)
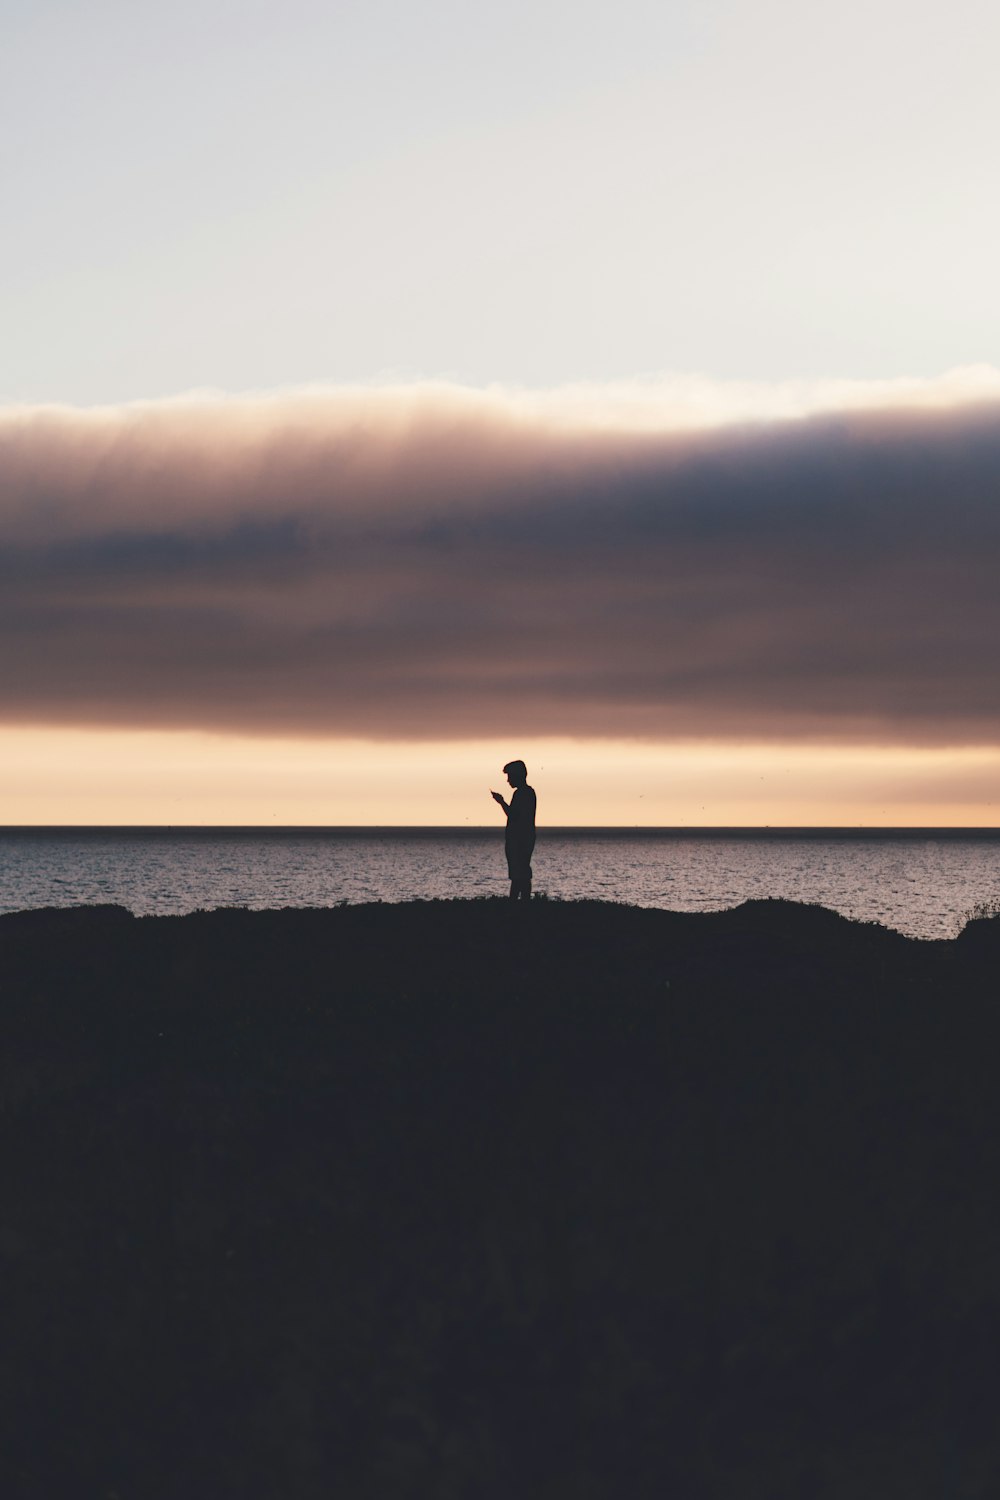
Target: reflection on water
point(925, 887)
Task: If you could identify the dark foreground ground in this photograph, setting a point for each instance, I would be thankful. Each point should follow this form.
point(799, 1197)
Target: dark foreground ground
point(464, 1199)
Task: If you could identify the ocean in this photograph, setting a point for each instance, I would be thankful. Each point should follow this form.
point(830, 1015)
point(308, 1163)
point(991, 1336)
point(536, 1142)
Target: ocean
point(922, 882)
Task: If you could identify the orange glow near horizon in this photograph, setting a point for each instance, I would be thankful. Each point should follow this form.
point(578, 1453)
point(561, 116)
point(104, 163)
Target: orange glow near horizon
point(130, 777)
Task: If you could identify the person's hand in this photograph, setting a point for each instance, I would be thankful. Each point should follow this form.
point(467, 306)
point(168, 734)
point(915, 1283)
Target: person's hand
point(497, 797)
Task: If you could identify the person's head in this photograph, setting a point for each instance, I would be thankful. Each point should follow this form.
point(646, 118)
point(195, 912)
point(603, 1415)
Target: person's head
point(516, 772)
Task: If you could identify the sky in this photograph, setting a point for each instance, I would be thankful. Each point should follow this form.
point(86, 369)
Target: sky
point(387, 391)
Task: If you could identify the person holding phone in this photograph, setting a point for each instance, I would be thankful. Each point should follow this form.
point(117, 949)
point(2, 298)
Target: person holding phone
point(520, 837)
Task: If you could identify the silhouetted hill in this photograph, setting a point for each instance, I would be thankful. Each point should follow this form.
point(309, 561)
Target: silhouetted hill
point(472, 1199)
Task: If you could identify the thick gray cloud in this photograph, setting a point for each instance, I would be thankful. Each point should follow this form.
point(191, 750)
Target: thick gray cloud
point(432, 564)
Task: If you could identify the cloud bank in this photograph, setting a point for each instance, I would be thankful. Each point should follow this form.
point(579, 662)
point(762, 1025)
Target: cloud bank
point(430, 562)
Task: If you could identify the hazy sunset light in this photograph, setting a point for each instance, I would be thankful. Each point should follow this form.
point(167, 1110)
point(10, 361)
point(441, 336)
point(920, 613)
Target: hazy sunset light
point(188, 777)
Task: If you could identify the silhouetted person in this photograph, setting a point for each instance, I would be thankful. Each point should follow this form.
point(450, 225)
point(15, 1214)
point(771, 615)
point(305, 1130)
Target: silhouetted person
point(520, 839)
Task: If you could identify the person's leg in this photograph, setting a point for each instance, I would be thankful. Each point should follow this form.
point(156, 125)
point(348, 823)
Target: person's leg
point(519, 871)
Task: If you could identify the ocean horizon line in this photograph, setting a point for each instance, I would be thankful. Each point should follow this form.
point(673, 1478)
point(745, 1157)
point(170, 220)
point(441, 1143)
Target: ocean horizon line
point(476, 830)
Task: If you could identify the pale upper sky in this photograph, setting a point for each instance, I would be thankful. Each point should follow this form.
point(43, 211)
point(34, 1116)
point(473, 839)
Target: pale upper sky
point(246, 195)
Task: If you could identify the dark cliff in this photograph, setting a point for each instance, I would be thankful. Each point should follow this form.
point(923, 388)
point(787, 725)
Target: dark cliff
point(465, 1199)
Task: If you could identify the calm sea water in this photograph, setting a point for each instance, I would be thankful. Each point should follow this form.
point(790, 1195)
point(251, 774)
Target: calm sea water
point(924, 883)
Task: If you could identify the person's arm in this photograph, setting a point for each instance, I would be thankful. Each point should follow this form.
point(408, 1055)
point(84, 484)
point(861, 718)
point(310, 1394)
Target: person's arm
point(497, 798)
